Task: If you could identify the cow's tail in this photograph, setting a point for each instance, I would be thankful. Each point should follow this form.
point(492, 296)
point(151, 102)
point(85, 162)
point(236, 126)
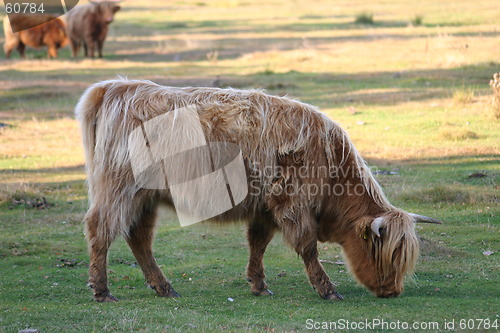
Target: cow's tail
point(86, 112)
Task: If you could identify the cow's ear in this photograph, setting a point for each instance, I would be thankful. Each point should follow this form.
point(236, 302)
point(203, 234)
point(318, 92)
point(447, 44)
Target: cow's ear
point(116, 8)
point(363, 229)
point(366, 233)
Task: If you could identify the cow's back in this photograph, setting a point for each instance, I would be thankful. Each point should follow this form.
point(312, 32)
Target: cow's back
point(46, 29)
point(249, 118)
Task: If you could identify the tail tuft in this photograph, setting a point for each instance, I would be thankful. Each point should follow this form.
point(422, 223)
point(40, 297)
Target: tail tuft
point(86, 112)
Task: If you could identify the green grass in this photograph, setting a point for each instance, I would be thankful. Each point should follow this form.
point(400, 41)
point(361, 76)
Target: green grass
point(413, 100)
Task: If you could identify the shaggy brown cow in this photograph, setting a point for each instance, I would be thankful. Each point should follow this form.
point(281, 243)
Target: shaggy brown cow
point(290, 150)
point(88, 25)
point(51, 34)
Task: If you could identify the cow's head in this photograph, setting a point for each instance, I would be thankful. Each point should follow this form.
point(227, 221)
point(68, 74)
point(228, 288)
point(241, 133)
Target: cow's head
point(383, 250)
point(106, 10)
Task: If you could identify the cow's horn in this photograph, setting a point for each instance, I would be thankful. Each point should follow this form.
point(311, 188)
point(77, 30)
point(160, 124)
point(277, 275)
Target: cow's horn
point(377, 224)
point(424, 219)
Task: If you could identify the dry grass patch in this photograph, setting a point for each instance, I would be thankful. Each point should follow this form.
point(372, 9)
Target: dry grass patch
point(429, 249)
point(495, 85)
point(21, 191)
point(42, 138)
point(448, 194)
point(454, 133)
point(463, 95)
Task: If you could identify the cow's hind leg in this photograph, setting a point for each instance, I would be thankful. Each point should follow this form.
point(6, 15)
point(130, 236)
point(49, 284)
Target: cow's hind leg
point(9, 46)
point(99, 239)
point(259, 235)
point(140, 240)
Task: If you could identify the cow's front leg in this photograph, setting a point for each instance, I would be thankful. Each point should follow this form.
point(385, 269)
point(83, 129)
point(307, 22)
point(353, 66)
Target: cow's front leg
point(89, 47)
point(51, 51)
point(100, 44)
point(317, 275)
point(259, 235)
point(299, 230)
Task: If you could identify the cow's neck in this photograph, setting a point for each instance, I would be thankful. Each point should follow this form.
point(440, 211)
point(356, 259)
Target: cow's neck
point(350, 203)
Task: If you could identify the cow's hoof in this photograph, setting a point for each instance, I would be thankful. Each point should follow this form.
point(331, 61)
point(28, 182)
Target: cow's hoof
point(172, 293)
point(264, 292)
point(165, 291)
point(334, 296)
point(108, 298)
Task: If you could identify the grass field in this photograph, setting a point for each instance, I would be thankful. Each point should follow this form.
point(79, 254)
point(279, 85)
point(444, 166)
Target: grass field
point(411, 89)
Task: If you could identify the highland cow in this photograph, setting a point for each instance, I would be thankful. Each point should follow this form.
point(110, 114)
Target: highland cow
point(302, 147)
point(49, 32)
point(88, 25)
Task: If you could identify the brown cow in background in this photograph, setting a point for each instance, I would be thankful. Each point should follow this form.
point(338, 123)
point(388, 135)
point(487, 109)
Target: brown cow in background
point(51, 34)
point(89, 25)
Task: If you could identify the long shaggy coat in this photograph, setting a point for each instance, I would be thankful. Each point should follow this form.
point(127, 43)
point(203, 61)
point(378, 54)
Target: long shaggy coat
point(274, 133)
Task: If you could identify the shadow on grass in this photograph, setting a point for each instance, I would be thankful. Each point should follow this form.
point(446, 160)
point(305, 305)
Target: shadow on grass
point(304, 23)
point(457, 161)
point(58, 170)
point(320, 89)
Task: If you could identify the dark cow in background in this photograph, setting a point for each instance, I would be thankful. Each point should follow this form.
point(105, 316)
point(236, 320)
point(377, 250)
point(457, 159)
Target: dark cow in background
point(88, 25)
point(51, 34)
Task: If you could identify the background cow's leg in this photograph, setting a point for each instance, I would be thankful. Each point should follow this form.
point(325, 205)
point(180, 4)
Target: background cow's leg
point(75, 47)
point(140, 240)
point(21, 48)
point(51, 51)
point(9, 46)
point(99, 239)
point(91, 47)
point(100, 44)
point(260, 233)
point(317, 275)
point(85, 49)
